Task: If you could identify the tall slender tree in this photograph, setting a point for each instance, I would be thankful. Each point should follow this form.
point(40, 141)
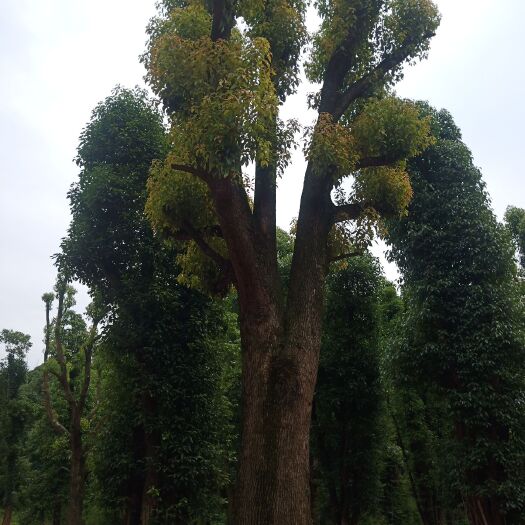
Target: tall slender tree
point(167, 348)
point(13, 370)
point(464, 324)
point(222, 85)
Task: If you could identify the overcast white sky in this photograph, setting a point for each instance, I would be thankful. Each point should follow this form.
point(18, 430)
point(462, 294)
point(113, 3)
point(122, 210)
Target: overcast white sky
point(58, 58)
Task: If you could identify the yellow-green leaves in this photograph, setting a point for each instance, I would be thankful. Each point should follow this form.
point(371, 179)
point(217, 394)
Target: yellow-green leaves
point(386, 189)
point(176, 198)
point(387, 131)
point(391, 128)
point(281, 23)
point(220, 93)
point(332, 148)
point(201, 273)
point(367, 32)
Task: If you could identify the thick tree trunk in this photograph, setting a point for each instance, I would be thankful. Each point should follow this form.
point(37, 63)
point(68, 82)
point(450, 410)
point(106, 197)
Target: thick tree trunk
point(273, 484)
point(78, 473)
point(149, 500)
point(135, 482)
point(280, 361)
point(8, 515)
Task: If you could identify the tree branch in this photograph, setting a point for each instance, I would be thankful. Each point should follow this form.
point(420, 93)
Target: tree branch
point(202, 174)
point(213, 231)
point(223, 19)
point(361, 86)
point(347, 212)
point(344, 256)
point(197, 237)
point(376, 162)
point(60, 351)
point(88, 356)
point(48, 405)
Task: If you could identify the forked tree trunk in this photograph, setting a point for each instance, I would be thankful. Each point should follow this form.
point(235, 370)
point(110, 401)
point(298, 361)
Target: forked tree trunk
point(280, 359)
point(8, 515)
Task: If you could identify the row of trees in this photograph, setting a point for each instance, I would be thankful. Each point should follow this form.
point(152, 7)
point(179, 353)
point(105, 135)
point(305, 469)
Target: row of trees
point(230, 371)
point(135, 416)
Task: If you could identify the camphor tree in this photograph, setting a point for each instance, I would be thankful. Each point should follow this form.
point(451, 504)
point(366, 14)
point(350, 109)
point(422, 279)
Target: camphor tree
point(222, 83)
point(515, 221)
point(346, 434)
point(68, 357)
point(13, 371)
point(166, 349)
point(465, 344)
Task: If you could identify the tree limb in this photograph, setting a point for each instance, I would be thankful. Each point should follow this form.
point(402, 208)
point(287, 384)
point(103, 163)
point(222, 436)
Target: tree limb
point(223, 19)
point(48, 405)
point(376, 162)
point(197, 237)
point(213, 231)
point(202, 174)
point(347, 212)
point(88, 356)
point(60, 351)
point(361, 86)
point(344, 256)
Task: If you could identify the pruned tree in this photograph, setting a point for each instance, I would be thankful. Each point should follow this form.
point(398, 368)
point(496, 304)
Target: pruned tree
point(465, 344)
point(165, 349)
point(346, 427)
point(69, 347)
point(222, 83)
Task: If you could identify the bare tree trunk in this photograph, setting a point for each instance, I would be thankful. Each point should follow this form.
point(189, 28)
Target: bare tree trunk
point(273, 478)
point(280, 358)
point(8, 515)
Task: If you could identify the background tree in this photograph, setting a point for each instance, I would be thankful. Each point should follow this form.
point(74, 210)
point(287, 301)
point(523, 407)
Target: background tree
point(346, 433)
point(13, 370)
point(44, 489)
point(222, 87)
point(171, 354)
point(515, 221)
point(68, 356)
point(464, 323)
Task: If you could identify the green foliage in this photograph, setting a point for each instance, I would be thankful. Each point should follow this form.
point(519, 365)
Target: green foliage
point(169, 355)
point(464, 319)
point(346, 436)
point(44, 490)
point(515, 221)
point(13, 370)
point(222, 91)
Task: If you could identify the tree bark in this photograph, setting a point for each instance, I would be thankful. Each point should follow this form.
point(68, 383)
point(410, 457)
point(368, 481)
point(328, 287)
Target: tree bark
point(280, 358)
point(483, 511)
point(273, 477)
point(78, 474)
point(8, 515)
